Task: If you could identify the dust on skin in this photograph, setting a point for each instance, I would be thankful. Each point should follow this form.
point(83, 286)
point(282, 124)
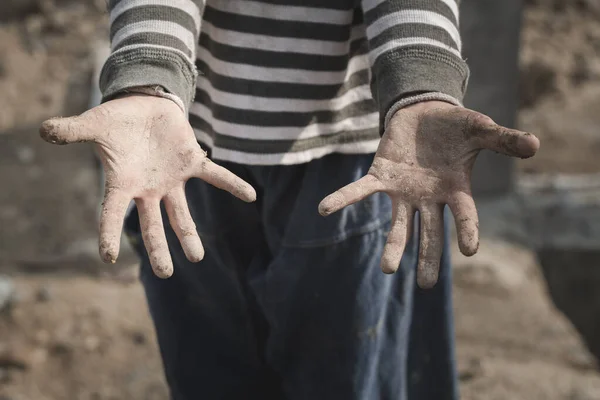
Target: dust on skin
point(424, 162)
point(148, 150)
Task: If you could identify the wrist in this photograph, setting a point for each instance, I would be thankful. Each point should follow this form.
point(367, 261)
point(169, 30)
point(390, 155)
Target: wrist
point(431, 97)
point(156, 91)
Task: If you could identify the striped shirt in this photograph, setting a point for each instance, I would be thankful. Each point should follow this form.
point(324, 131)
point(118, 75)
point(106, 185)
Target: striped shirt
point(286, 81)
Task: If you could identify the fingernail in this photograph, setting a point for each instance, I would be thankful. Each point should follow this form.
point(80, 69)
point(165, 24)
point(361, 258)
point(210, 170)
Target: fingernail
point(327, 206)
point(162, 269)
point(390, 261)
point(323, 210)
point(388, 269)
point(49, 132)
point(427, 275)
point(108, 253)
point(163, 272)
point(252, 197)
point(194, 251)
point(248, 194)
point(528, 145)
point(108, 258)
point(426, 282)
point(468, 247)
point(468, 251)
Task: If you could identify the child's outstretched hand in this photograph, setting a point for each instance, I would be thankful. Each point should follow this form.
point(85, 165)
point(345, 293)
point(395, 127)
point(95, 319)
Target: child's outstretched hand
point(148, 150)
point(424, 162)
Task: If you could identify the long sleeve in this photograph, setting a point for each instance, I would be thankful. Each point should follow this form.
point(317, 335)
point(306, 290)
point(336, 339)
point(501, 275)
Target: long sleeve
point(414, 50)
point(153, 43)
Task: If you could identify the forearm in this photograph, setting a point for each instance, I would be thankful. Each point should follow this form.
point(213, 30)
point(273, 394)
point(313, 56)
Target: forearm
point(153, 44)
point(414, 52)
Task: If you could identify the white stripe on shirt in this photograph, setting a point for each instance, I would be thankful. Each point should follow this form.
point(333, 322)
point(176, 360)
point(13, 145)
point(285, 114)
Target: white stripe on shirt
point(368, 5)
point(269, 104)
point(414, 17)
point(184, 5)
point(284, 12)
point(280, 44)
point(357, 123)
point(289, 75)
point(156, 26)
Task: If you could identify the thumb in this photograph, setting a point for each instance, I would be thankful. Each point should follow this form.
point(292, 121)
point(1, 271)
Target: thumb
point(510, 142)
point(68, 130)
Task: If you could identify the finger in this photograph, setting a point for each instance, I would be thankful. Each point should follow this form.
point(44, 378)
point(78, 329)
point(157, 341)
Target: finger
point(68, 130)
point(396, 241)
point(183, 224)
point(349, 194)
point(224, 179)
point(114, 208)
point(510, 142)
point(463, 208)
point(430, 249)
point(153, 234)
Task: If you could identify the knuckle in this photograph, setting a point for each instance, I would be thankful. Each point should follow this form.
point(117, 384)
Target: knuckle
point(474, 122)
point(189, 230)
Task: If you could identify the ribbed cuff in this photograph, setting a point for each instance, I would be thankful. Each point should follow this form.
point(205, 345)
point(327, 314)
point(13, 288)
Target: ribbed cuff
point(410, 72)
point(409, 101)
point(148, 67)
point(158, 91)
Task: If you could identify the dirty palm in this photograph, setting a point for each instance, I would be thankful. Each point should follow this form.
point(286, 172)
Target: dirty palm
point(423, 163)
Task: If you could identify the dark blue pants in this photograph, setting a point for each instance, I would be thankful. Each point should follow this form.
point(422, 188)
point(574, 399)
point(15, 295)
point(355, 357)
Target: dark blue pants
point(291, 305)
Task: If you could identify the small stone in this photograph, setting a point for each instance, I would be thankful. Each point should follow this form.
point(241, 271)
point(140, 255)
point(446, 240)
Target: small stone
point(472, 370)
point(61, 348)
point(43, 294)
point(45, 99)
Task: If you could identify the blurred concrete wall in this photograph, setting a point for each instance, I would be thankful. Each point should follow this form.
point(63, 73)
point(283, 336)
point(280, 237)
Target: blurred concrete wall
point(490, 31)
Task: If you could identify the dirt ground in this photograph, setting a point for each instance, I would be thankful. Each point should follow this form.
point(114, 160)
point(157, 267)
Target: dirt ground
point(75, 331)
point(560, 84)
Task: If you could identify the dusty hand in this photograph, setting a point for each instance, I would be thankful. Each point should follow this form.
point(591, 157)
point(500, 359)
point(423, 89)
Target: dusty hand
point(148, 150)
point(424, 161)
